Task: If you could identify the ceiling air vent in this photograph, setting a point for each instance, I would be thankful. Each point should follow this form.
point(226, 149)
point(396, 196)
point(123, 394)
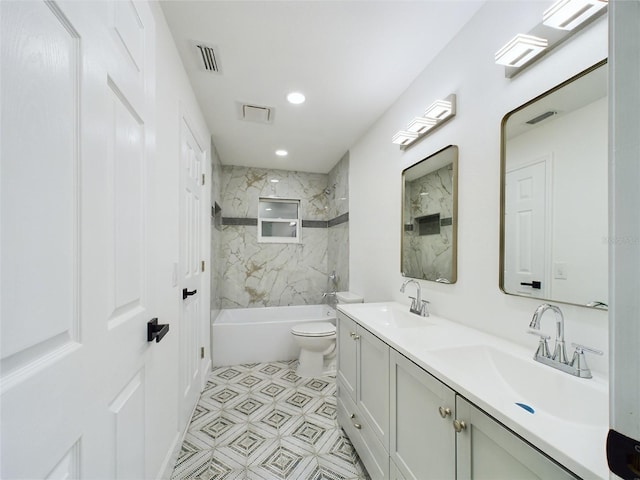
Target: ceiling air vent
point(251, 112)
point(539, 118)
point(208, 58)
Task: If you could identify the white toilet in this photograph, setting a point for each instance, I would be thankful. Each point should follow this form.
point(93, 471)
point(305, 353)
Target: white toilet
point(317, 342)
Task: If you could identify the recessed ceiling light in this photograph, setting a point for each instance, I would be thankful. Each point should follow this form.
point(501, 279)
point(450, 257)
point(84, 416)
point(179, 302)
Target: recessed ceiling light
point(296, 98)
point(282, 153)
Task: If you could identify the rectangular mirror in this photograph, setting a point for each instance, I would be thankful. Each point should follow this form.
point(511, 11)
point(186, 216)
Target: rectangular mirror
point(554, 204)
point(429, 217)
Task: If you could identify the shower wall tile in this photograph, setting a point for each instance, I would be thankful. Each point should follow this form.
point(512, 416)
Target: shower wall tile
point(338, 254)
point(429, 256)
point(243, 186)
point(273, 274)
point(262, 274)
point(338, 185)
point(338, 248)
point(216, 236)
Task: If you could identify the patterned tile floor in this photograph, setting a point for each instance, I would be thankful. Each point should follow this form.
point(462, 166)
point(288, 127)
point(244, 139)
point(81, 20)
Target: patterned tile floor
point(263, 422)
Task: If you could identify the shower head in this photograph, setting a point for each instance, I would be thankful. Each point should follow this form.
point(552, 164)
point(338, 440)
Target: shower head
point(330, 190)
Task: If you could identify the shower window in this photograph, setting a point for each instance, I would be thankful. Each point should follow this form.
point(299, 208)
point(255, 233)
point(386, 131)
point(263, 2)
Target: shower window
point(278, 221)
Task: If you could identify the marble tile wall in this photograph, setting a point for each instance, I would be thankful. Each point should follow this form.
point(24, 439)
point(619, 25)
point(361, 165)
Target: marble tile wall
point(429, 256)
point(338, 238)
point(216, 235)
point(256, 274)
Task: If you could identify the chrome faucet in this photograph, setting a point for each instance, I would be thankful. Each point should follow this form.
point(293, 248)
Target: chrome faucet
point(559, 353)
point(578, 365)
point(418, 306)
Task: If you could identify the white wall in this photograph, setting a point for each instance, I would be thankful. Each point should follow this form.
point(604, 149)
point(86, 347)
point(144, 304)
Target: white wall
point(465, 67)
point(174, 97)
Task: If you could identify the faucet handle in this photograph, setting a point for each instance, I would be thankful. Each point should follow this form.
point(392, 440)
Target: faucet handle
point(579, 362)
point(424, 308)
point(583, 348)
point(414, 304)
point(543, 346)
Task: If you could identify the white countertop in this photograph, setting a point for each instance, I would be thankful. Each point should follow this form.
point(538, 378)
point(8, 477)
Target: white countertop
point(560, 400)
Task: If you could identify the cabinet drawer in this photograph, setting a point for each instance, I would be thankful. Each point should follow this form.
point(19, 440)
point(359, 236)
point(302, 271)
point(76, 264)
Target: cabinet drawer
point(373, 455)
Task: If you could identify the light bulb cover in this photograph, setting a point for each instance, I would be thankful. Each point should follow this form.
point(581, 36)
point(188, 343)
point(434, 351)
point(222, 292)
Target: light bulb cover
point(568, 14)
point(296, 98)
point(421, 124)
point(403, 137)
point(520, 49)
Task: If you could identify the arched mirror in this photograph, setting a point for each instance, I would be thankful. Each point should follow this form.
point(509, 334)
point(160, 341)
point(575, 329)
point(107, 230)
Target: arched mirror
point(429, 217)
point(554, 193)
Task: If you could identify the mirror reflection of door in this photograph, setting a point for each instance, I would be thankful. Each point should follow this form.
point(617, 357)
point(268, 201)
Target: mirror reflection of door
point(526, 228)
point(568, 124)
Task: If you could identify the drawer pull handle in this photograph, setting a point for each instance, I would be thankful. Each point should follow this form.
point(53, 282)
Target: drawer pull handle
point(357, 425)
point(459, 425)
point(444, 412)
point(356, 337)
point(352, 334)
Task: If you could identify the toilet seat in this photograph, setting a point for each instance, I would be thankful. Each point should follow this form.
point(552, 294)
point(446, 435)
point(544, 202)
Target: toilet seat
point(314, 329)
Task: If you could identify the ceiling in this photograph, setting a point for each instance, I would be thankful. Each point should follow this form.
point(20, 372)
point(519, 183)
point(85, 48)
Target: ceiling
point(351, 58)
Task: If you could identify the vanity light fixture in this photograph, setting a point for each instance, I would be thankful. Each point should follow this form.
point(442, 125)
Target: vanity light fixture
point(404, 138)
point(559, 23)
point(282, 153)
point(520, 49)
point(434, 116)
point(440, 109)
point(421, 124)
point(568, 14)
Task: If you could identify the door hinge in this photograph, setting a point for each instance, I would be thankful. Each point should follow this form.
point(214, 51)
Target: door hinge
point(201, 352)
point(203, 179)
point(202, 265)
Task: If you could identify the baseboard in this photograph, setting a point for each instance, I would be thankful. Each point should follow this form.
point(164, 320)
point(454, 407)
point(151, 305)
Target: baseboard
point(166, 469)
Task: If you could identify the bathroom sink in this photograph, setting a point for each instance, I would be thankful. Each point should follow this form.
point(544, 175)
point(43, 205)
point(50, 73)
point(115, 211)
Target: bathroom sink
point(536, 388)
point(392, 316)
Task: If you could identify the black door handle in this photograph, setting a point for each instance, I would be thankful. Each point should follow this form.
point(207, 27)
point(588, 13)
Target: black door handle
point(186, 293)
point(533, 284)
point(156, 331)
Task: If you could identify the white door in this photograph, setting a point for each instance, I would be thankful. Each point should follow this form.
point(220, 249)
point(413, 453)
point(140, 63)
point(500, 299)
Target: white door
point(77, 130)
point(525, 231)
point(191, 255)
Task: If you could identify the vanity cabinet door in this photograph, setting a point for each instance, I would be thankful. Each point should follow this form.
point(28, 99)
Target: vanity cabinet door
point(422, 412)
point(372, 390)
point(347, 344)
point(487, 450)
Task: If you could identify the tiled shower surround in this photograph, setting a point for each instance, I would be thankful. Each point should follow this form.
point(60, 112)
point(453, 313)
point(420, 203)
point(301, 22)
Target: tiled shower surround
point(274, 274)
point(429, 256)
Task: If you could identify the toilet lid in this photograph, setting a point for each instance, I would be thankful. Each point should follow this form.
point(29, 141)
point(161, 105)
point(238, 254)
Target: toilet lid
point(314, 329)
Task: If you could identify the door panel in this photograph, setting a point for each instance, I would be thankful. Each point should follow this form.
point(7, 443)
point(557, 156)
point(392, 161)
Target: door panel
point(373, 383)
point(191, 161)
point(422, 440)
point(127, 189)
point(526, 230)
point(346, 355)
point(74, 199)
point(487, 450)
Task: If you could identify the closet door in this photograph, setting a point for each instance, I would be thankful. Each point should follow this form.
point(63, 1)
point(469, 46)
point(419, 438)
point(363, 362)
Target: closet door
point(77, 146)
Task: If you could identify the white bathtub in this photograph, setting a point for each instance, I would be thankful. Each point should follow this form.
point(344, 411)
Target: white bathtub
point(255, 335)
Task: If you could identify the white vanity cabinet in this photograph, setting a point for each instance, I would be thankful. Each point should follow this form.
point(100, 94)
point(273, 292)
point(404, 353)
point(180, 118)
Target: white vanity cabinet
point(407, 425)
point(363, 394)
point(486, 449)
point(422, 410)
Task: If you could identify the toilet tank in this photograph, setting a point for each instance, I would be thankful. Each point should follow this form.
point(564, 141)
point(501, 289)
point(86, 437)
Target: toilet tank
point(348, 297)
